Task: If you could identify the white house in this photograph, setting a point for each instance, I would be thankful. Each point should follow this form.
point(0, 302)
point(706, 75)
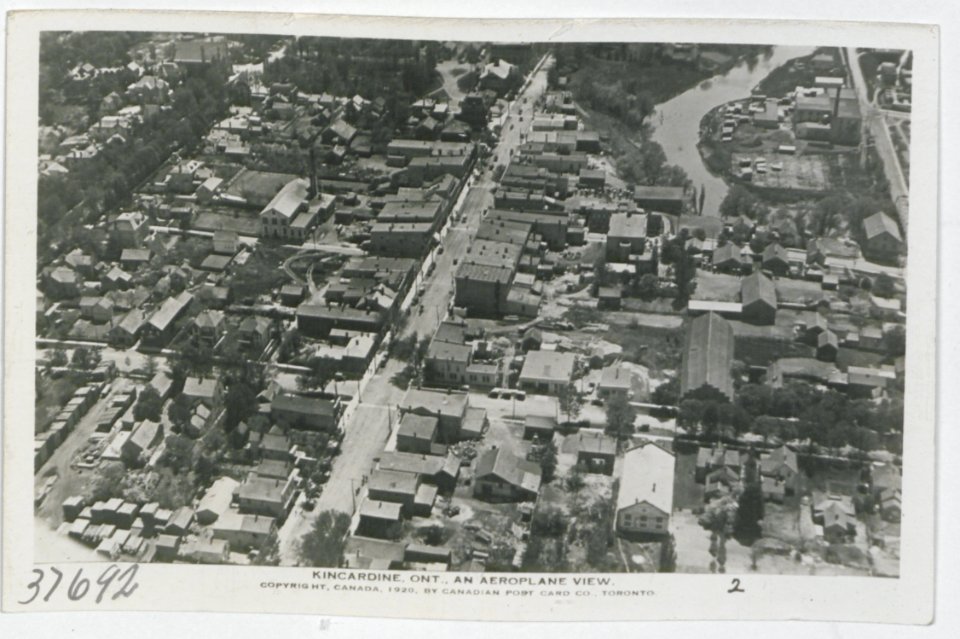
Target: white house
point(645, 500)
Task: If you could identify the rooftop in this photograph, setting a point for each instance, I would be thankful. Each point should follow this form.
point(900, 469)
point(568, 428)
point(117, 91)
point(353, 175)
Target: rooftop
point(647, 477)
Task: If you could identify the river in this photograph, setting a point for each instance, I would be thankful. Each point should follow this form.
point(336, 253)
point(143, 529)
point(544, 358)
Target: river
point(679, 131)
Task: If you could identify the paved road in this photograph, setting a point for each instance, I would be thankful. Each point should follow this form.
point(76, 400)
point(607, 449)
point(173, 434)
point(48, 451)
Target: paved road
point(875, 120)
point(368, 427)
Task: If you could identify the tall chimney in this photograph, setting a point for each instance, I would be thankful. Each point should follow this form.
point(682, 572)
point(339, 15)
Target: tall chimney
point(313, 192)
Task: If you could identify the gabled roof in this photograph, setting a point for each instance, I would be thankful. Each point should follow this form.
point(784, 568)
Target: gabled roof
point(778, 457)
point(758, 287)
point(708, 355)
point(880, 223)
point(775, 252)
point(289, 199)
point(726, 253)
point(647, 477)
point(509, 468)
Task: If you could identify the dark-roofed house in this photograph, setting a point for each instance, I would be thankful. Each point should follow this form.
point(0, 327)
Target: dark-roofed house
point(727, 258)
point(417, 433)
point(828, 346)
point(547, 371)
point(883, 236)
point(208, 327)
point(317, 320)
point(707, 357)
point(775, 260)
point(161, 323)
point(645, 498)
point(254, 332)
point(306, 412)
point(502, 476)
point(758, 298)
point(596, 452)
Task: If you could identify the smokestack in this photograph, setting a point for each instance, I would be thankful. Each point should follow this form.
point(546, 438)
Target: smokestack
point(313, 192)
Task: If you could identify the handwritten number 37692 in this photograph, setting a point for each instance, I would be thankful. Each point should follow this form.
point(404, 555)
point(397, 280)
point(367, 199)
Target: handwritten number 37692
point(79, 586)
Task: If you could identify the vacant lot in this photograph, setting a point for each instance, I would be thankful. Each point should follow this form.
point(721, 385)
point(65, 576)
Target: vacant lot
point(258, 187)
point(243, 222)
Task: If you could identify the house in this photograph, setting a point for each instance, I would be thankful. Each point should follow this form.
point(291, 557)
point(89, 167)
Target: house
point(891, 505)
point(539, 427)
point(728, 259)
point(129, 229)
point(417, 433)
point(446, 363)
point(500, 77)
point(244, 532)
point(162, 322)
point(501, 476)
point(265, 496)
point(394, 487)
point(615, 380)
point(885, 477)
point(828, 346)
point(291, 294)
point(627, 235)
point(547, 372)
point(63, 283)
point(379, 519)
point(645, 498)
point(216, 500)
point(208, 327)
point(758, 299)
point(203, 390)
point(225, 242)
point(883, 237)
point(440, 471)
point(720, 481)
point(167, 547)
point(273, 445)
point(774, 259)
point(709, 459)
point(452, 410)
point(781, 464)
point(307, 413)
point(180, 522)
point(596, 452)
point(254, 332)
point(96, 309)
point(143, 438)
point(707, 358)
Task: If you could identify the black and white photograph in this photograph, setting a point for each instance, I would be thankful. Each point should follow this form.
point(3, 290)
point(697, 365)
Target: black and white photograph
point(370, 305)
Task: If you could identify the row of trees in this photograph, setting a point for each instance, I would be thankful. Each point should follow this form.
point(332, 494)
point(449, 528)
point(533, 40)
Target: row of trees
point(795, 411)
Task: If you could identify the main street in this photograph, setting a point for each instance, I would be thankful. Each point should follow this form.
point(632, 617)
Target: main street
point(368, 427)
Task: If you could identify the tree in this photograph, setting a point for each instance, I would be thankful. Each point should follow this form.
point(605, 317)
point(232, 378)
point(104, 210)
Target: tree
point(240, 402)
point(322, 546)
point(194, 360)
point(149, 405)
point(620, 417)
point(750, 503)
point(667, 393)
point(741, 201)
point(107, 482)
point(575, 481)
point(647, 286)
point(548, 522)
point(177, 453)
point(85, 358)
point(718, 518)
point(668, 554)
point(179, 412)
point(548, 462)
point(884, 286)
point(570, 402)
point(58, 358)
point(895, 341)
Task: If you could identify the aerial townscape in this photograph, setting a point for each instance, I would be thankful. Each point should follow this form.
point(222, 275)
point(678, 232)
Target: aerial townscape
point(418, 305)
